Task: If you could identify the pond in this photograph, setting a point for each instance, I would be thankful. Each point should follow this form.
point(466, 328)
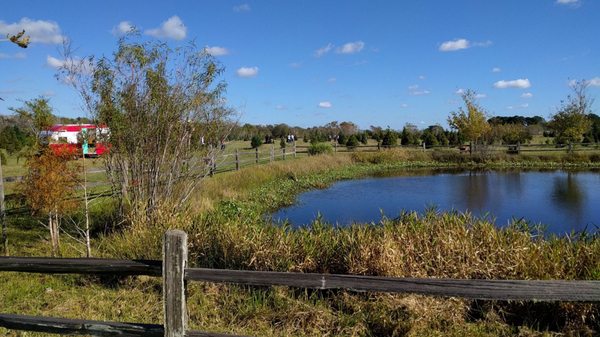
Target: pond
point(563, 201)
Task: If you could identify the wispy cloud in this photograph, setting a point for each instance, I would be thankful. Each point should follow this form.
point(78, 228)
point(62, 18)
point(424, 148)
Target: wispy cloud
point(526, 95)
point(325, 105)
point(19, 55)
point(242, 8)
point(572, 3)
point(122, 28)
point(173, 28)
point(247, 72)
point(521, 83)
point(455, 45)
point(296, 64)
point(460, 44)
point(496, 70)
point(323, 50)
point(38, 30)
point(216, 51)
point(520, 106)
point(416, 90)
point(595, 82)
point(351, 47)
point(404, 105)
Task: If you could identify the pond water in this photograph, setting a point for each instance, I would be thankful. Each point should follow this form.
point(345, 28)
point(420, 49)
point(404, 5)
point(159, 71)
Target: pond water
point(563, 201)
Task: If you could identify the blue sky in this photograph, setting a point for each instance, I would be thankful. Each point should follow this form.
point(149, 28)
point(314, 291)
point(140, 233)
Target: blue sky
point(310, 62)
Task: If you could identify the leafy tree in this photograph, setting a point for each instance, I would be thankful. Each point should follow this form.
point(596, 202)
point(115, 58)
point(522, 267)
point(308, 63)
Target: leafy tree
point(280, 131)
point(410, 135)
point(282, 143)
point(37, 115)
point(158, 103)
point(48, 188)
point(256, 141)
point(390, 138)
point(571, 121)
point(511, 133)
point(342, 138)
point(352, 141)
point(471, 123)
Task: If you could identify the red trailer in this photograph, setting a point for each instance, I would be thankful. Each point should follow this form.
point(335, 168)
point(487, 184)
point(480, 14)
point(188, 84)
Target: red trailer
point(76, 139)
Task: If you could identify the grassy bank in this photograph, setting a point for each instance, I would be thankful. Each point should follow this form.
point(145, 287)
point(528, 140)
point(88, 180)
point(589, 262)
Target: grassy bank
point(228, 230)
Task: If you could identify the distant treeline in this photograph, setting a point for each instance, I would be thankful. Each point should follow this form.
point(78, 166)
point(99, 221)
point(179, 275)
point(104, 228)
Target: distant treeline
point(504, 130)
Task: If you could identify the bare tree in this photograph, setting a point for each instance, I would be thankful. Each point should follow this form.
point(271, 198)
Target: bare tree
point(158, 103)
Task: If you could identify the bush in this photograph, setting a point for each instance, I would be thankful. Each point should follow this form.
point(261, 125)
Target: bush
point(319, 148)
point(352, 142)
point(255, 142)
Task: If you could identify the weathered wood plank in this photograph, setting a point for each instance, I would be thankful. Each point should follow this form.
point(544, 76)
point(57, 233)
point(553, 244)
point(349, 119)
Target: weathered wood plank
point(196, 333)
point(81, 266)
point(473, 289)
point(175, 261)
point(78, 326)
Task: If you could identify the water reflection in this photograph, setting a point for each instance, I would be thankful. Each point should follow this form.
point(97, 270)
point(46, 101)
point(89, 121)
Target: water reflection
point(564, 201)
point(568, 196)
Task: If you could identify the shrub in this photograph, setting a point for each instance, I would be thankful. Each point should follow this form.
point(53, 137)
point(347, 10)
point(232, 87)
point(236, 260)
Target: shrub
point(255, 142)
point(352, 142)
point(319, 148)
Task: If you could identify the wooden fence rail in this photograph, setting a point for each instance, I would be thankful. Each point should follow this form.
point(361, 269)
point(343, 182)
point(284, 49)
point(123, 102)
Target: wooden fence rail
point(175, 273)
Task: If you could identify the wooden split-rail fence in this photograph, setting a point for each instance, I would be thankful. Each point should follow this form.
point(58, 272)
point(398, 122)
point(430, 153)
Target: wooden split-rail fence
point(175, 272)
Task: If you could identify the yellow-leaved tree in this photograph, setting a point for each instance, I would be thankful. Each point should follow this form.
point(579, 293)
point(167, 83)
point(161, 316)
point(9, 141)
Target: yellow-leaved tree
point(471, 121)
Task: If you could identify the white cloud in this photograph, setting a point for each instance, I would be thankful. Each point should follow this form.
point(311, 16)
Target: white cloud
point(325, 105)
point(404, 105)
point(323, 50)
point(422, 77)
point(38, 30)
point(480, 95)
point(415, 90)
point(569, 2)
point(526, 95)
point(520, 106)
point(521, 83)
point(296, 64)
point(247, 72)
point(19, 55)
point(459, 44)
point(482, 44)
point(496, 70)
point(331, 79)
point(241, 8)
point(76, 64)
point(460, 91)
point(454, 45)
point(595, 82)
point(54, 62)
point(216, 50)
point(173, 28)
point(280, 107)
point(122, 28)
point(351, 47)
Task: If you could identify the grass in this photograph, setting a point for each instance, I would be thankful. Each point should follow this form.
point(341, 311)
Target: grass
point(227, 229)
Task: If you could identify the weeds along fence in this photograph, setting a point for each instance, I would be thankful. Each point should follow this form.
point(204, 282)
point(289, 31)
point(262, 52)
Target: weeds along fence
point(175, 273)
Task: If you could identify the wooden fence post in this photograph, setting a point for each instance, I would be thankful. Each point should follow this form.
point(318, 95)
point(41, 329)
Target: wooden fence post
point(283, 151)
point(174, 263)
point(424, 148)
point(295, 149)
point(256, 154)
point(237, 159)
